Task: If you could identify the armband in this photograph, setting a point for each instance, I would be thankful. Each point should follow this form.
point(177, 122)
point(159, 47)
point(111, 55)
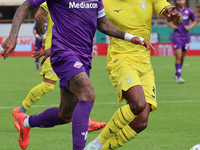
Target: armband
point(43, 36)
point(36, 35)
point(129, 36)
point(2, 50)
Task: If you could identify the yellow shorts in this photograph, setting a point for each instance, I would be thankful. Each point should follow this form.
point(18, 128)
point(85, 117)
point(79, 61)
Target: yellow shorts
point(47, 71)
point(126, 73)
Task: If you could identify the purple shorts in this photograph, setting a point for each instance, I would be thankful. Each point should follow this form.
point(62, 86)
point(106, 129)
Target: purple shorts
point(38, 44)
point(66, 65)
point(181, 44)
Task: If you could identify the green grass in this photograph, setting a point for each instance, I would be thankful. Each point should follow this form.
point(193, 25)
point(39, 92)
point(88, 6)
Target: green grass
point(173, 126)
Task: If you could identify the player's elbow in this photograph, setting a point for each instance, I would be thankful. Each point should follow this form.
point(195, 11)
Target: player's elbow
point(37, 17)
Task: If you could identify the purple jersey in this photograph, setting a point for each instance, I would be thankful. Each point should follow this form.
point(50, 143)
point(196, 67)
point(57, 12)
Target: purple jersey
point(75, 23)
point(181, 32)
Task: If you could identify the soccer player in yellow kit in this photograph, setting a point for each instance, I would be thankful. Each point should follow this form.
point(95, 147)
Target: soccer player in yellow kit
point(49, 76)
point(130, 70)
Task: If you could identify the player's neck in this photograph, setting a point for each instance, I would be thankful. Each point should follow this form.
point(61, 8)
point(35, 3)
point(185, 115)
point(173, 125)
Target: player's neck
point(181, 8)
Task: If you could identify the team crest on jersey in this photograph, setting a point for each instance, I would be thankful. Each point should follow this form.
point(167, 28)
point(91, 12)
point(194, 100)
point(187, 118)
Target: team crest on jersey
point(186, 11)
point(142, 4)
point(78, 64)
point(128, 79)
point(51, 73)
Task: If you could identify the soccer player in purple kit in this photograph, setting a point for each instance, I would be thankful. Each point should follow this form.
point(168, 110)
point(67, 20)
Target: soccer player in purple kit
point(38, 41)
point(75, 23)
point(181, 37)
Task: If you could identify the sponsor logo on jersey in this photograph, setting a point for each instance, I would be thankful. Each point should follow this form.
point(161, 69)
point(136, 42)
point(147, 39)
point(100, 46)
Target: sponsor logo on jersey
point(142, 4)
point(118, 10)
point(78, 64)
point(185, 17)
point(86, 4)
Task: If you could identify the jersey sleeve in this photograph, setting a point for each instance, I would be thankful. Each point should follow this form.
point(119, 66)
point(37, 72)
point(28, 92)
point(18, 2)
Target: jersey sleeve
point(159, 6)
point(100, 5)
point(192, 16)
point(44, 6)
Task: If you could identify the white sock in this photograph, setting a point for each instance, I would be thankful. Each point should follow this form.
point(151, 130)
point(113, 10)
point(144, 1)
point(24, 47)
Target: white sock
point(97, 143)
point(26, 122)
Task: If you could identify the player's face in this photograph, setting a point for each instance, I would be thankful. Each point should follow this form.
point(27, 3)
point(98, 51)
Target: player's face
point(180, 3)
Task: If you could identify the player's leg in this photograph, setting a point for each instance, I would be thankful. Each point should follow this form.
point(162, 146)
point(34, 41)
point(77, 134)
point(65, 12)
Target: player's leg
point(38, 45)
point(121, 118)
point(48, 118)
point(178, 56)
point(183, 58)
point(129, 132)
point(139, 123)
point(178, 46)
point(74, 77)
point(36, 93)
point(48, 84)
point(33, 96)
point(125, 79)
point(184, 51)
point(81, 86)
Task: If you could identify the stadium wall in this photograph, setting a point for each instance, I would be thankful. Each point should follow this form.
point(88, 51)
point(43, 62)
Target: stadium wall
point(161, 39)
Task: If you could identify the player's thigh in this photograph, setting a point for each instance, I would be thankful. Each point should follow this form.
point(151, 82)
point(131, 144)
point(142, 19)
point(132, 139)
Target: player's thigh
point(123, 76)
point(68, 103)
point(149, 88)
point(178, 53)
point(82, 87)
point(47, 71)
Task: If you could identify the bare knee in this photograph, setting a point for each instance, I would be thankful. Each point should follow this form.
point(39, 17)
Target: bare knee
point(137, 108)
point(136, 99)
point(138, 126)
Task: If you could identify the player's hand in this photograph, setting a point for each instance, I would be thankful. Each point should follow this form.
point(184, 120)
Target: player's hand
point(187, 28)
point(39, 38)
point(174, 27)
point(9, 45)
point(46, 53)
point(173, 15)
point(137, 40)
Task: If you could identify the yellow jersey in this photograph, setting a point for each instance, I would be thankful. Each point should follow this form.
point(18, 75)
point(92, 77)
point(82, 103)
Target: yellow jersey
point(49, 26)
point(134, 17)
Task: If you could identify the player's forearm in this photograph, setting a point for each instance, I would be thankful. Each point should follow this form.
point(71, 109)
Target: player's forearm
point(19, 16)
point(170, 25)
point(106, 27)
point(40, 20)
point(193, 24)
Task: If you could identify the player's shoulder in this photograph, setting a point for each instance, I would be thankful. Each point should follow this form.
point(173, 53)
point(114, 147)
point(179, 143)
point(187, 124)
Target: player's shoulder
point(189, 9)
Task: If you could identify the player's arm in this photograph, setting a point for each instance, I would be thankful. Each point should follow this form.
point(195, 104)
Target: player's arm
point(106, 27)
point(193, 24)
point(40, 17)
point(173, 15)
point(10, 43)
point(174, 27)
point(36, 35)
